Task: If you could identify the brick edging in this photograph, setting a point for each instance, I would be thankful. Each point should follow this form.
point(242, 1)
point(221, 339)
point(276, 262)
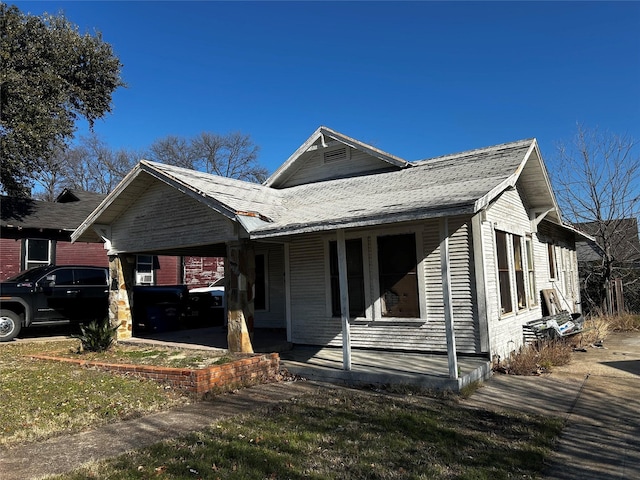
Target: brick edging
point(251, 370)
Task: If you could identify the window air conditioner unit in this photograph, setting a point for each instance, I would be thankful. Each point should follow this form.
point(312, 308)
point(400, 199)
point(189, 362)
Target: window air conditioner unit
point(144, 278)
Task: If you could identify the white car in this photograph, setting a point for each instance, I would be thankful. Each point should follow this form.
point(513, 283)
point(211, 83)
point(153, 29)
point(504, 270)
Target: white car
point(207, 305)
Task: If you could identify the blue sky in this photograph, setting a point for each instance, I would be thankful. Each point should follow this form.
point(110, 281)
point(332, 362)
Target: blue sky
point(416, 79)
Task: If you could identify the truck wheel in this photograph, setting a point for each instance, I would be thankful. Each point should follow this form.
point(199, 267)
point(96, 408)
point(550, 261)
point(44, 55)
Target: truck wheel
point(10, 325)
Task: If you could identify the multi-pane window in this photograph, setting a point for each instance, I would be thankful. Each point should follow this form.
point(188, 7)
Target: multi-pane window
point(355, 278)
point(552, 260)
point(37, 252)
point(503, 272)
point(533, 294)
point(397, 271)
point(518, 267)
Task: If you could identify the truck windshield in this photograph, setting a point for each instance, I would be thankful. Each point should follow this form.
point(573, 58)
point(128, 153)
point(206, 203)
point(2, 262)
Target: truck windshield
point(29, 276)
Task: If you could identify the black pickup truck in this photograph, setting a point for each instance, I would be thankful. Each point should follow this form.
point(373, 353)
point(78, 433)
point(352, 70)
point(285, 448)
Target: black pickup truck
point(52, 295)
point(55, 295)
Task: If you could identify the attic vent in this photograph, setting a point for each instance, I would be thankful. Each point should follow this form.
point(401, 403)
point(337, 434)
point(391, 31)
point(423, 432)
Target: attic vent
point(336, 155)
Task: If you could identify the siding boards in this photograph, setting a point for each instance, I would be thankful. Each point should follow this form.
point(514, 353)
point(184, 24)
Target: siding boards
point(312, 324)
point(314, 169)
point(509, 213)
point(165, 218)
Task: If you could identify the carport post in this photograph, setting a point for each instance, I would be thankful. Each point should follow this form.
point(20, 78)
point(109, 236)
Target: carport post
point(240, 275)
point(344, 300)
point(121, 268)
point(446, 295)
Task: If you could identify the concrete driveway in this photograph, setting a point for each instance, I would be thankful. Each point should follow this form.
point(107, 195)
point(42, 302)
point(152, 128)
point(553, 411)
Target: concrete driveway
point(598, 394)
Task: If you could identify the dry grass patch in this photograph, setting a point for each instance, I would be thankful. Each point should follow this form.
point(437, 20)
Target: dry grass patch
point(539, 357)
point(152, 355)
point(41, 399)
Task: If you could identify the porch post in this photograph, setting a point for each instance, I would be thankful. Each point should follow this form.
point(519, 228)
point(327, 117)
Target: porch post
point(120, 284)
point(344, 300)
point(446, 294)
point(240, 272)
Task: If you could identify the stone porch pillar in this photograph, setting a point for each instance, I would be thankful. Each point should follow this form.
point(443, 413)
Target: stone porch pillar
point(121, 270)
point(240, 274)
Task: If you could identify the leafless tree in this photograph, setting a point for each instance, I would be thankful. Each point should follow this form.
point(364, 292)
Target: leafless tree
point(52, 178)
point(598, 187)
point(93, 166)
point(174, 150)
point(231, 155)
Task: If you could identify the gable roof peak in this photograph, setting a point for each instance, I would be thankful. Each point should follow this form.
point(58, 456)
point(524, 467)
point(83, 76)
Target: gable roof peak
point(324, 137)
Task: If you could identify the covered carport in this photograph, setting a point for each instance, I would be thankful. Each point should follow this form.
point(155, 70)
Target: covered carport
point(154, 212)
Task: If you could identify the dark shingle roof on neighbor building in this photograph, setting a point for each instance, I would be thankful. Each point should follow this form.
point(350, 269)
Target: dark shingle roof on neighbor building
point(65, 215)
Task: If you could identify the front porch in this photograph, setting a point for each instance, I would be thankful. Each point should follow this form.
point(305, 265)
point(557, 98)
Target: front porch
point(325, 363)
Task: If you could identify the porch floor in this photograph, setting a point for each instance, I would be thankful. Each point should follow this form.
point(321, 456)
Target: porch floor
point(325, 363)
point(384, 367)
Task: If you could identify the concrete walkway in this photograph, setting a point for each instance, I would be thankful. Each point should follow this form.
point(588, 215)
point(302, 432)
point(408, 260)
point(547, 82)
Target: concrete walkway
point(598, 394)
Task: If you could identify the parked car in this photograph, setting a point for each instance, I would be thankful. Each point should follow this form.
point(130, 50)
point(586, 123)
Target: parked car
point(53, 295)
point(159, 308)
point(207, 306)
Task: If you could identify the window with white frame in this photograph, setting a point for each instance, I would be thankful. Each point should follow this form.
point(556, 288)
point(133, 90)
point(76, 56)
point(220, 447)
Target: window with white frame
point(144, 270)
point(504, 277)
point(518, 267)
point(37, 252)
point(531, 276)
point(516, 274)
point(395, 273)
point(551, 253)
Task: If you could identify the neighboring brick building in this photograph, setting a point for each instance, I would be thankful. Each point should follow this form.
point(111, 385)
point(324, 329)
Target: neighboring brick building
point(34, 233)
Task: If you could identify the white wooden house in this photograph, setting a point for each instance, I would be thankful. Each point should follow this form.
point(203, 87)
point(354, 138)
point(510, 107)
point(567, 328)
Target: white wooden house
point(448, 254)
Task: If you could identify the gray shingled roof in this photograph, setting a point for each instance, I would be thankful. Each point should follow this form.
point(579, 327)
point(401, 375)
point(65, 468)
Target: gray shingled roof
point(429, 188)
point(461, 183)
point(236, 195)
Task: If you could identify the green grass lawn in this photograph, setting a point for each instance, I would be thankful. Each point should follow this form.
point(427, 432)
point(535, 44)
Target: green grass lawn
point(348, 434)
point(41, 399)
point(335, 433)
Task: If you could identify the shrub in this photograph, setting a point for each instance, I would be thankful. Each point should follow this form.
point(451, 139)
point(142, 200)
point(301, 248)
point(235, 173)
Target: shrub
point(539, 357)
point(624, 322)
point(97, 336)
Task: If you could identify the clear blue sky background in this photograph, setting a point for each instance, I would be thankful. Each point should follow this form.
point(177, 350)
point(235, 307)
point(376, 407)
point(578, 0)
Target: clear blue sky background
point(416, 79)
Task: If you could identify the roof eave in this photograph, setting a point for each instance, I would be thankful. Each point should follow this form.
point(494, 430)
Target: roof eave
point(373, 220)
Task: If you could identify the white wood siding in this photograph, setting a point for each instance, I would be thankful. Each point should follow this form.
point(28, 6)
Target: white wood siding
point(309, 322)
point(312, 322)
point(162, 217)
point(509, 213)
point(566, 282)
point(314, 169)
